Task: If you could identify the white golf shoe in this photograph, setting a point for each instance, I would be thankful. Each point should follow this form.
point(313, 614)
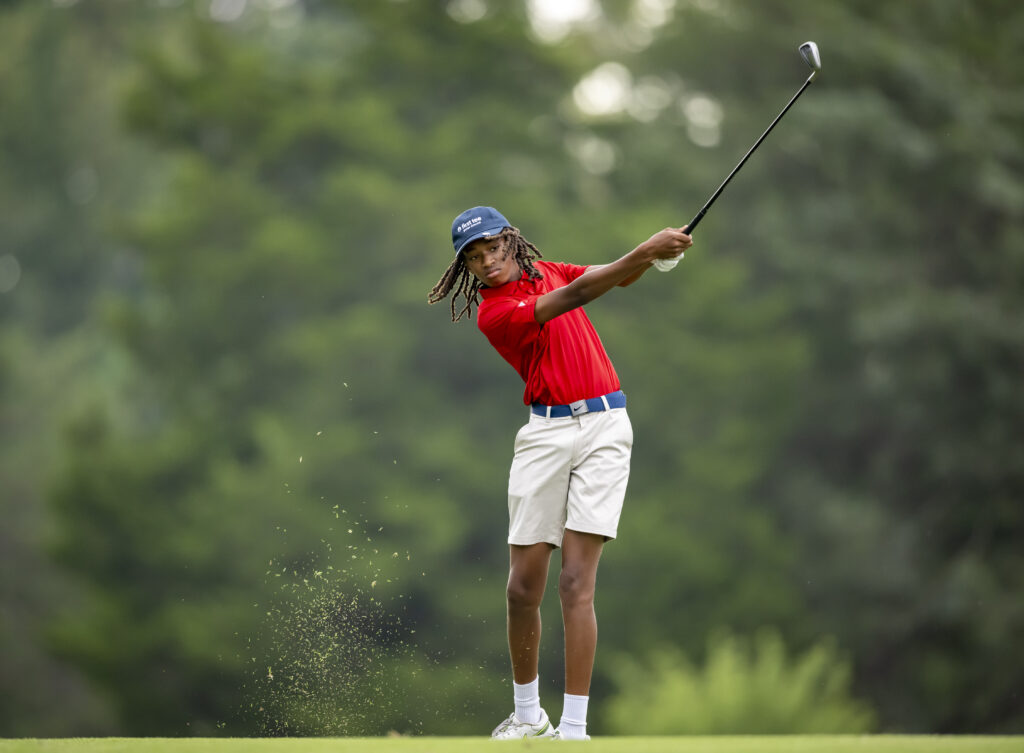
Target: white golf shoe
point(513, 729)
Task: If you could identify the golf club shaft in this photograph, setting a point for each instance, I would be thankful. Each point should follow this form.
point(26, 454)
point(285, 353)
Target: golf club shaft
point(700, 215)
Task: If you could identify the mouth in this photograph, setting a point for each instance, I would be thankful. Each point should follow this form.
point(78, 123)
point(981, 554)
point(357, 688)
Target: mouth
point(492, 273)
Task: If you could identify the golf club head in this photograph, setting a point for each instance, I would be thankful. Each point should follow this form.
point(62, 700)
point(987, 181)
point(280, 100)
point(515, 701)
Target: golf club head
point(809, 52)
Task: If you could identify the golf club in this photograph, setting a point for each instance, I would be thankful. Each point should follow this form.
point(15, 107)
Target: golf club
point(809, 52)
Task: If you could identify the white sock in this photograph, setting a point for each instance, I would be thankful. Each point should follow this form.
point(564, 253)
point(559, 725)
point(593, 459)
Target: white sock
point(574, 717)
point(527, 698)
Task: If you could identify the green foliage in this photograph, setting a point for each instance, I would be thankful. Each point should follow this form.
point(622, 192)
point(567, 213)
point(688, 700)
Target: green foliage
point(64, 171)
point(744, 688)
point(218, 355)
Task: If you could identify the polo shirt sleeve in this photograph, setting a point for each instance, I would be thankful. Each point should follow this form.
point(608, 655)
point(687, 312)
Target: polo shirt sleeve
point(509, 322)
point(570, 271)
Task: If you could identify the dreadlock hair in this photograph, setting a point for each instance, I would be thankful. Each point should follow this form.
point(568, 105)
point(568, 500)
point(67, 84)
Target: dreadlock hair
point(459, 279)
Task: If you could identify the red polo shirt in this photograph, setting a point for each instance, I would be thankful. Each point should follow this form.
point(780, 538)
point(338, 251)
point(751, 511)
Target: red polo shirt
point(562, 360)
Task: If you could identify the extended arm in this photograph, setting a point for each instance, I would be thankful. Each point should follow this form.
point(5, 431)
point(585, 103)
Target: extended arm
point(598, 280)
point(629, 280)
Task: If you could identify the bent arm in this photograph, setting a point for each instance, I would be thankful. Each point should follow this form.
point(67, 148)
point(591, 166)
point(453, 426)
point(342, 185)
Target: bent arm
point(598, 280)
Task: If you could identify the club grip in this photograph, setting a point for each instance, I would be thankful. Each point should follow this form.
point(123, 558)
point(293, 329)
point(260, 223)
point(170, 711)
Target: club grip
point(694, 222)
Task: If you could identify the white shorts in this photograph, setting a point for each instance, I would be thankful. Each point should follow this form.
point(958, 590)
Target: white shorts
point(569, 473)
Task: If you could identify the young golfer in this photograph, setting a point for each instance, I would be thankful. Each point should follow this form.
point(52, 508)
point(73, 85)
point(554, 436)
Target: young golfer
point(571, 462)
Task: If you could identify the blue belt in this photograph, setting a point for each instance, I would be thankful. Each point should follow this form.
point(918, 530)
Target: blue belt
point(615, 399)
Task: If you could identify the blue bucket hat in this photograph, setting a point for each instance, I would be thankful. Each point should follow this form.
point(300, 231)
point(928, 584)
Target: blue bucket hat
point(476, 223)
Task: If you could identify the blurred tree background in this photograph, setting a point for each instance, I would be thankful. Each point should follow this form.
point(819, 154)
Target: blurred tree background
point(251, 483)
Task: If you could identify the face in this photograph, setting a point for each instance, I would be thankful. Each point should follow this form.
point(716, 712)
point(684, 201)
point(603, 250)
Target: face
point(490, 263)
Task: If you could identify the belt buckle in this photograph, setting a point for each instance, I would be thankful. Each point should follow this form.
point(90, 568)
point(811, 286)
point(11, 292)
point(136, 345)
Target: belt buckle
point(579, 407)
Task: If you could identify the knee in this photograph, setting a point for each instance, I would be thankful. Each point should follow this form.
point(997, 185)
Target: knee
point(574, 588)
point(524, 593)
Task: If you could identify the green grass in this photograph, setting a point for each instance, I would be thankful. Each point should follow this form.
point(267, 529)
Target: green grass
point(779, 744)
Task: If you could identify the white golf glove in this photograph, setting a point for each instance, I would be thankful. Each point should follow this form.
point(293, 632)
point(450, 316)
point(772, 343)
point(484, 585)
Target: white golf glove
point(664, 265)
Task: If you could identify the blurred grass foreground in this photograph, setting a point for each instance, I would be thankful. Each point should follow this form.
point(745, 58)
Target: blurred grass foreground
point(718, 744)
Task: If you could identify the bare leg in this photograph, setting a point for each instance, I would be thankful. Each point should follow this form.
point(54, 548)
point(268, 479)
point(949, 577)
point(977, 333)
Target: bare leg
point(580, 555)
point(528, 574)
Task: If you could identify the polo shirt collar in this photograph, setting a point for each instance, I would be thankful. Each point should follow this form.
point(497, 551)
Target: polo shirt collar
point(508, 287)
